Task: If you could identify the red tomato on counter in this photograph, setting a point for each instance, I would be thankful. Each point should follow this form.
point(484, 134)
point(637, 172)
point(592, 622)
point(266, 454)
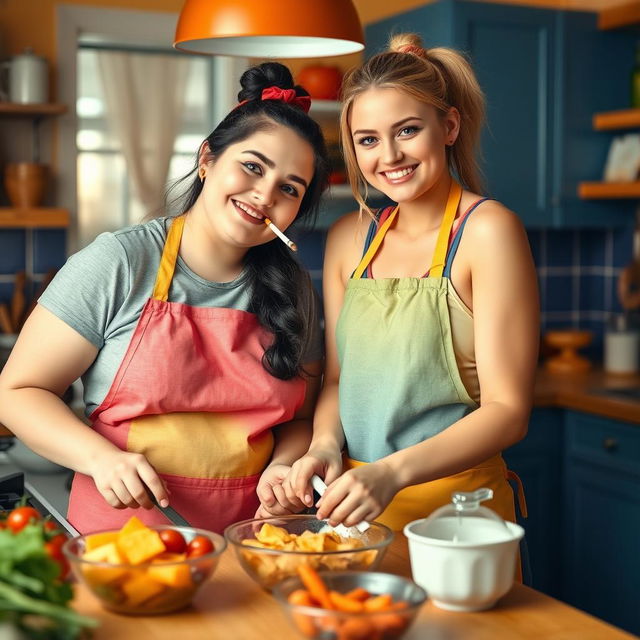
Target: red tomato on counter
point(173, 541)
point(199, 546)
point(55, 552)
point(20, 517)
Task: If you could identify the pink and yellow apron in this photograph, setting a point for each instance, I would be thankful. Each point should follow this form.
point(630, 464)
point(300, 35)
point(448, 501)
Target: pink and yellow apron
point(192, 396)
point(399, 379)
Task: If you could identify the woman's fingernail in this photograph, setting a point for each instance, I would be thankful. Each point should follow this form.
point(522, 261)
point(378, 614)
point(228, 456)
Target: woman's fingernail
point(164, 502)
point(308, 500)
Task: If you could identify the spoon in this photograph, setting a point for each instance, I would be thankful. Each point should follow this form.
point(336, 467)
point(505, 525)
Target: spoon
point(318, 484)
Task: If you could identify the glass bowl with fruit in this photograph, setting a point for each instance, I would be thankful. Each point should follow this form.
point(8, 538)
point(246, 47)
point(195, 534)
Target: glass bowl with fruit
point(142, 570)
point(271, 549)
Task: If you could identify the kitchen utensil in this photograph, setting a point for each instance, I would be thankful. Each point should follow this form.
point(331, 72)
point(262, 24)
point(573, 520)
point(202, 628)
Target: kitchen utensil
point(629, 279)
point(318, 484)
point(315, 622)
point(169, 511)
point(463, 554)
point(149, 588)
point(5, 319)
point(267, 566)
point(622, 344)
point(25, 183)
point(568, 361)
point(18, 300)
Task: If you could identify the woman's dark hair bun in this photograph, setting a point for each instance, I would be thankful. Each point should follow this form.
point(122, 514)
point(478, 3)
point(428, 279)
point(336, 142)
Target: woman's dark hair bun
point(267, 74)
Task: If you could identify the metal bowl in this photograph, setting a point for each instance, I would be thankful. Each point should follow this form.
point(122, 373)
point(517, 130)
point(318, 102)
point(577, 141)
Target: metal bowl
point(326, 624)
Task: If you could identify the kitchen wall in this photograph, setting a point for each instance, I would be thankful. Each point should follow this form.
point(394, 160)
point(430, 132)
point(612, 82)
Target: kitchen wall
point(577, 269)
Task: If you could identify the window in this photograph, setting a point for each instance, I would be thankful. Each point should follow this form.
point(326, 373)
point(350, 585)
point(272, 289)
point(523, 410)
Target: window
point(107, 199)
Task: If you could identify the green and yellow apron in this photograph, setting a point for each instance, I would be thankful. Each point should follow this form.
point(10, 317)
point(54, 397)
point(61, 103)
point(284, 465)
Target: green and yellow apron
point(399, 380)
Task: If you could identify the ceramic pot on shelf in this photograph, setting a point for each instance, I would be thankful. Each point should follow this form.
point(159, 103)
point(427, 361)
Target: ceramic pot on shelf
point(25, 183)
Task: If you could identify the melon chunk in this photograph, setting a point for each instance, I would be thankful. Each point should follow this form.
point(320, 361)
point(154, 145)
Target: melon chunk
point(141, 587)
point(141, 545)
point(131, 525)
point(96, 540)
point(104, 553)
point(173, 575)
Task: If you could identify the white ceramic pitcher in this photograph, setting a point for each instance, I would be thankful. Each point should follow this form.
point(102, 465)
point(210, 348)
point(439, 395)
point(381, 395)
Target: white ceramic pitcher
point(25, 79)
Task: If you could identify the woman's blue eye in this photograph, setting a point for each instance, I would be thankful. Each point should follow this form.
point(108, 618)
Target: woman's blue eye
point(367, 141)
point(290, 190)
point(253, 167)
point(407, 131)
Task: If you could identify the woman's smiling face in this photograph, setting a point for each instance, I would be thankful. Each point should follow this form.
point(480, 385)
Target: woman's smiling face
point(264, 175)
point(400, 142)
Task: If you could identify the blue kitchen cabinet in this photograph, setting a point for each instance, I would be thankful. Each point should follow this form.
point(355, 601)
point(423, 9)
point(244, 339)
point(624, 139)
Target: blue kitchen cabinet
point(537, 460)
point(545, 73)
point(602, 518)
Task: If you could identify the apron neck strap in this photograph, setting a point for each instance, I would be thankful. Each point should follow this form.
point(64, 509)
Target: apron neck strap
point(168, 260)
point(442, 243)
point(375, 244)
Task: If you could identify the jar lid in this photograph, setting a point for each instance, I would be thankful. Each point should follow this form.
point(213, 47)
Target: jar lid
point(464, 520)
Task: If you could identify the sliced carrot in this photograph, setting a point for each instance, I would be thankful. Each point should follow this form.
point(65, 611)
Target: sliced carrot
point(316, 587)
point(391, 623)
point(378, 603)
point(301, 597)
point(358, 629)
point(359, 593)
point(343, 603)
point(306, 625)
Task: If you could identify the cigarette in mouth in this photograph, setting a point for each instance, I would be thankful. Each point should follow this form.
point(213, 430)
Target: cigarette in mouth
point(289, 243)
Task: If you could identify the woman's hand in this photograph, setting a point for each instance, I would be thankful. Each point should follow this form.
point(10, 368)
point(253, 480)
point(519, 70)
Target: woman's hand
point(274, 500)
point(360, 494)
point(121, 476)
point(324, 461)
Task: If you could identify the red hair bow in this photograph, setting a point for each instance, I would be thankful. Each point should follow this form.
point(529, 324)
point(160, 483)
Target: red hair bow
point(286, 95)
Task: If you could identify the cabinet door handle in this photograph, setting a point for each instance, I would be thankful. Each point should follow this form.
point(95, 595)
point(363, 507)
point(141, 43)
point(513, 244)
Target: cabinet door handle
point(610, 444)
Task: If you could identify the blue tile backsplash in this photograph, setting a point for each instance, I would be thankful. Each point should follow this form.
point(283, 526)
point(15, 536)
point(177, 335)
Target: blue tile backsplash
point(33, 251)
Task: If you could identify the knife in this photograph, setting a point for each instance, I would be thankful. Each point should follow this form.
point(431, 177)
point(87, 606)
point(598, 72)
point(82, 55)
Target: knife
point(170, 512)
point(318, 484)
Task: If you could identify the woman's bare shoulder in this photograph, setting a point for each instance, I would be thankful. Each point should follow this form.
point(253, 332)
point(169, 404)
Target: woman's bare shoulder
point(493, 221)
point(349, 231)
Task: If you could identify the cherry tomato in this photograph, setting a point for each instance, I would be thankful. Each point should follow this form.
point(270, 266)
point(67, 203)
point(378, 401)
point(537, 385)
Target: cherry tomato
point(50, 526)
point(58, 540)
point(173, 541)
point(55, 552)
point(199, 546)
point(20, 517)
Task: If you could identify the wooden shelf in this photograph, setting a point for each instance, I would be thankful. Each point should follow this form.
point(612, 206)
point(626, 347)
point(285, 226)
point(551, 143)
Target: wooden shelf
point(42, 217)
point(12, 109)
point(622, 119)
point(597, 190)
point(620, 16)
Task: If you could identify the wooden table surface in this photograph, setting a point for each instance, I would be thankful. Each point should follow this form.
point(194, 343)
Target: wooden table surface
point(231, 606)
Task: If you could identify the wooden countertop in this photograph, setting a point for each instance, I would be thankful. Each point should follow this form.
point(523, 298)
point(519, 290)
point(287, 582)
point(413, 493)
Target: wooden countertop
point(231, 605)
point(582, 392)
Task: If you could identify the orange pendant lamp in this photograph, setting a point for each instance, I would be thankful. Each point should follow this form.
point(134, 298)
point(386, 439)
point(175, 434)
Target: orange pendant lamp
point(269, 28)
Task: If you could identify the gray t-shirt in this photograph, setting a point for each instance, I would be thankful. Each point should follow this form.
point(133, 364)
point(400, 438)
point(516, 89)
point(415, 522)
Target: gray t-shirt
point(101, 290)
